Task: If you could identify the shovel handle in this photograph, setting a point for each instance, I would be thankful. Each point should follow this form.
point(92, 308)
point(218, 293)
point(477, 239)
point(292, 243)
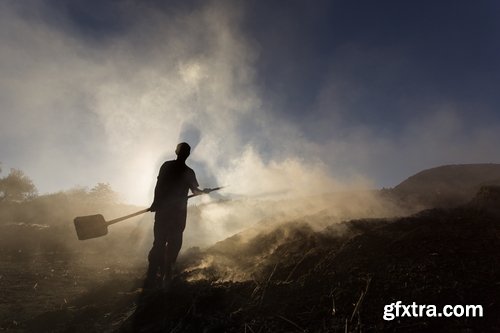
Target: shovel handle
point(147, 209)
point(127, 216)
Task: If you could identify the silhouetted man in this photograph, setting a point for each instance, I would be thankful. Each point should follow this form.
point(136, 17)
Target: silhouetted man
point(175, 179)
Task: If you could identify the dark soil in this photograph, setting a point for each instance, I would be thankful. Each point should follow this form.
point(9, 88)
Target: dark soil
point(437, 257)
point(296, 279)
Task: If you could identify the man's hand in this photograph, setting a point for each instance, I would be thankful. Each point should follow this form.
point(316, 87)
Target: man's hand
point(152, 208)
point(199, 191)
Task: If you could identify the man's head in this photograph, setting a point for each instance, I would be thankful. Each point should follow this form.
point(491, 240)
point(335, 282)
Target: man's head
point(183, 150)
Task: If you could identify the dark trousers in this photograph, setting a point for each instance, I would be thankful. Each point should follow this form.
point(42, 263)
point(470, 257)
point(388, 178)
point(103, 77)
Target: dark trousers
point(168, 229)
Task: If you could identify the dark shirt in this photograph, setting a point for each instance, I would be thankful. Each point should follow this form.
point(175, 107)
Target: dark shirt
point(175, 179)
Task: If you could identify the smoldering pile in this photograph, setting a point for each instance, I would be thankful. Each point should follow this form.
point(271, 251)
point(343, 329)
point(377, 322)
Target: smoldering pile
point(297, 279)
point(294, 277)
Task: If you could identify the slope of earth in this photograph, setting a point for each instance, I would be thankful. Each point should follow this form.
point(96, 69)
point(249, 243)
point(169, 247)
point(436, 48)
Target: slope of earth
point(44, 267)
point(446, 186)
point(296, 279)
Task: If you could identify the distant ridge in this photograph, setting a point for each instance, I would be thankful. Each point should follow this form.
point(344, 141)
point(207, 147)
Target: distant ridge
point(447, 185)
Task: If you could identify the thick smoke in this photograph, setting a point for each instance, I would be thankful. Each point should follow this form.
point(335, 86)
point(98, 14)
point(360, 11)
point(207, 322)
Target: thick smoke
point(81, 108)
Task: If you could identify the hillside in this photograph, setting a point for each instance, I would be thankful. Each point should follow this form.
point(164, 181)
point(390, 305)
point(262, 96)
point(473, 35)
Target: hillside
point(312, 264)
point(296, 279)
point(446, 186)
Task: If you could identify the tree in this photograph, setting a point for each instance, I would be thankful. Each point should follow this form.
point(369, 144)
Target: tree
point(103, 193)
point(16, 187)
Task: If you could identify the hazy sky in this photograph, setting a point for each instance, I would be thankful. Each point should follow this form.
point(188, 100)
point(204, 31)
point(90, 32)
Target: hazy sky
point(272, 95)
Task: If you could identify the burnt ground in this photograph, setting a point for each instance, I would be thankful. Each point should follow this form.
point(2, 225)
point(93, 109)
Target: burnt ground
point(437, 257)
point(297, 279)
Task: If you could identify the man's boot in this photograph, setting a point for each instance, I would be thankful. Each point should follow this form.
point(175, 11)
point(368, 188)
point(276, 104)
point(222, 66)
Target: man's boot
point(167, 276)
point(151, 280)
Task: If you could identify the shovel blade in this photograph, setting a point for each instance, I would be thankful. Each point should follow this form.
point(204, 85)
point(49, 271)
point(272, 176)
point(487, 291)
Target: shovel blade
point(91, 226)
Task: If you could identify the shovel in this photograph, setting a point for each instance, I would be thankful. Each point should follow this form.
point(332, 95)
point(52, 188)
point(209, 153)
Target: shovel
point(93, 226)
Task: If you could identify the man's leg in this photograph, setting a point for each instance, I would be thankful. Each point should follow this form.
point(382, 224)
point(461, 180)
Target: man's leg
point(174, 244)
point(156, 256)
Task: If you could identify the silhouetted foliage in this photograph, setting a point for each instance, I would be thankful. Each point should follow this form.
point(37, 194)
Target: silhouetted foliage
point(20, 202)
point(16, 187)
point(103, 192)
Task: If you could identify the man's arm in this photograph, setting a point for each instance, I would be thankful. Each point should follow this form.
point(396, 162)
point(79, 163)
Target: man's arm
point(194, 186)
point(154, 205)
point(198, 191)
point(158, 190)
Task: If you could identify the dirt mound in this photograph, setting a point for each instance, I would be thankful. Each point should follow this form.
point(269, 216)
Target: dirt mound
point(437, 257)
point(447, 186)
point(293, 278)
point(488, 199)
